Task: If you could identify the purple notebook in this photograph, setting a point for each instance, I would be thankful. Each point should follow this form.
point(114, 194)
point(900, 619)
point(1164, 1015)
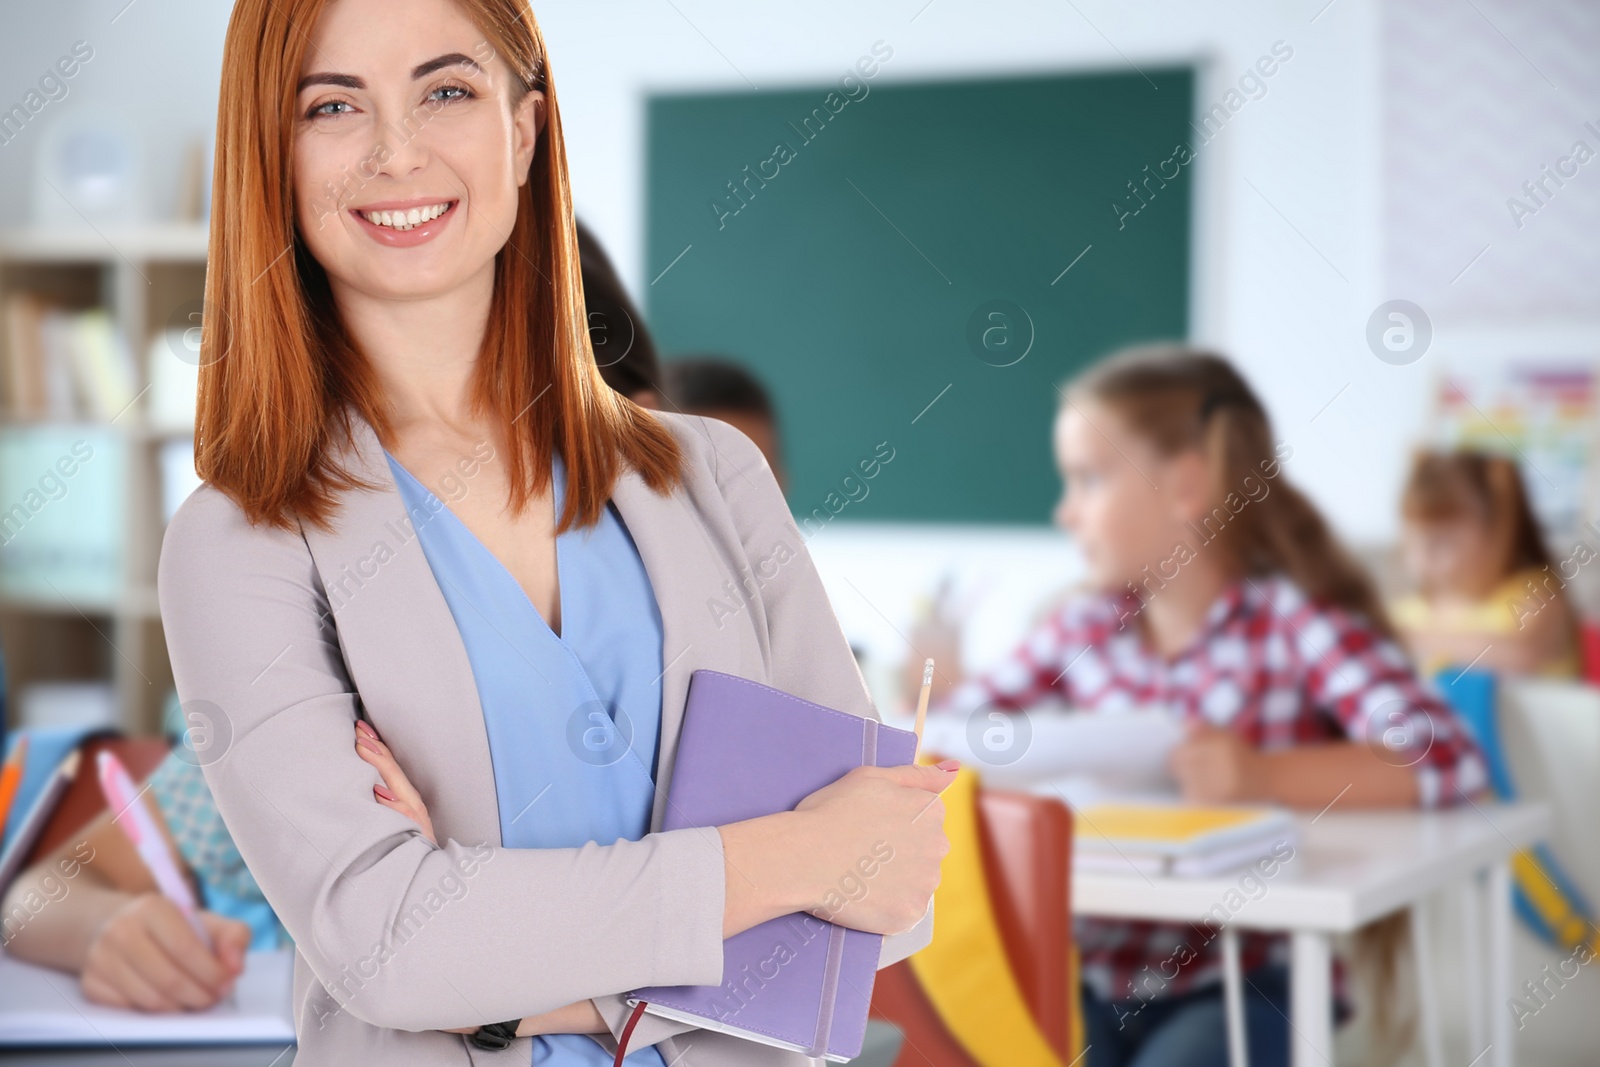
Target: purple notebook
point(746, 750)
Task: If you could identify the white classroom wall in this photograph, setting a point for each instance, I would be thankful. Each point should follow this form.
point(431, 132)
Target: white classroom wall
point(1376, 166)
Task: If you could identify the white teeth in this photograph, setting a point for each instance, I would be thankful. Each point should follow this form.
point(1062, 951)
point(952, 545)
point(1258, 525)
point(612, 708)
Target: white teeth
point(405, 220)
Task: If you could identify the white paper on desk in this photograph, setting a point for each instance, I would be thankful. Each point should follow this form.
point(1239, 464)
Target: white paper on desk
point(40, 1006)
point(1127, 747)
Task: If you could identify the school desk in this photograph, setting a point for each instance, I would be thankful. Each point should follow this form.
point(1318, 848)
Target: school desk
point(1349, 869)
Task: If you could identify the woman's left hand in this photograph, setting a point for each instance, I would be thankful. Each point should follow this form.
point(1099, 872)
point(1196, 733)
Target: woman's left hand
point(396, 793)
point(1217, 766)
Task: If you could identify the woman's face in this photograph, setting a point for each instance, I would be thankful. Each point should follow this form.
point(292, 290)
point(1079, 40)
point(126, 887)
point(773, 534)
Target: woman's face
point(405, 106)
point(1123, 503)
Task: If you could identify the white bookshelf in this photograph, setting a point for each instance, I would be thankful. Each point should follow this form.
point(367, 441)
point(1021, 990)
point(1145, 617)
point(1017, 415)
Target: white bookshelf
point(139, 275)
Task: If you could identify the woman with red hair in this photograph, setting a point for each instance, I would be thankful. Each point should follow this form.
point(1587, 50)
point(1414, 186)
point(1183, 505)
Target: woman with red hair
point(430, 537)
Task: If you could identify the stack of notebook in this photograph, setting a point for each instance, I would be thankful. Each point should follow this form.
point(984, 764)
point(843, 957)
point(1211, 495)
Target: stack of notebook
point(1176, 839)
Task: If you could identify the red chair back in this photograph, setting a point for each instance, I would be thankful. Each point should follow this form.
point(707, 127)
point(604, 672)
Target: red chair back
point(1026, 842)
point(1589, 634)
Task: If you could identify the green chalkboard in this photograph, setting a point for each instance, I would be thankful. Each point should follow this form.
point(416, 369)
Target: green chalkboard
point(917, 244)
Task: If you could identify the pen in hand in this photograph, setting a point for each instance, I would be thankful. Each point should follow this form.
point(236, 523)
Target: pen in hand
point(139, 826)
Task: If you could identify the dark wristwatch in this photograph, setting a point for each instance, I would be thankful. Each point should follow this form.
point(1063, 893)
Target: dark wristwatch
point(495, 1036)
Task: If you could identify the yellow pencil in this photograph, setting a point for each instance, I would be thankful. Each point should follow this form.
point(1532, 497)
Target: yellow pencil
point(922, 700)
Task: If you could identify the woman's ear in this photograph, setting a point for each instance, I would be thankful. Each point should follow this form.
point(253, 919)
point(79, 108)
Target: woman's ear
point(528, 124)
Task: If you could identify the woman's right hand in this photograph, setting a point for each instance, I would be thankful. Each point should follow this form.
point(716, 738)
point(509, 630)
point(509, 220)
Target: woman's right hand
point(396, 793)
point(146, 956)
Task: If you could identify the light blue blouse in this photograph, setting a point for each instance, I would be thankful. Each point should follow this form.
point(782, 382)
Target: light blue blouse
point(573, 719)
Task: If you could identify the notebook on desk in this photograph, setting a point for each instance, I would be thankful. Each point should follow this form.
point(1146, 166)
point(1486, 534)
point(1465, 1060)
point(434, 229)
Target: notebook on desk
point(1189, 841)
point(746, 750)
point(40, 1006)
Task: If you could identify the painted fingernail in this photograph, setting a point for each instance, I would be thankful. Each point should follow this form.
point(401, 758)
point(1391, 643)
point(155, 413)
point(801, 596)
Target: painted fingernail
point(949, 765)
point(361, 724)
point(383, 792)
point(369, 743)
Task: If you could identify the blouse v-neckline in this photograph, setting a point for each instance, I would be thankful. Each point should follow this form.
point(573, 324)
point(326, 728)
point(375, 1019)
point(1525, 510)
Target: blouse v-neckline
point(558, 483)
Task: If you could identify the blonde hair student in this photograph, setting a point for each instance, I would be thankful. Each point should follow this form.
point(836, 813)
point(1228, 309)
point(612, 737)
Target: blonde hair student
point(1219, 592)
point(1486, 592)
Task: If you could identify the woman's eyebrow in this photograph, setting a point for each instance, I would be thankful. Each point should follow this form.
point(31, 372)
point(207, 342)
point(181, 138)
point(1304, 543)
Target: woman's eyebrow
point(421, 70)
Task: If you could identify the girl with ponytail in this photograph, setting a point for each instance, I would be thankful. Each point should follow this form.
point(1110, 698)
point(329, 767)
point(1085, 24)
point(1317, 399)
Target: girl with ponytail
point(1222, 594)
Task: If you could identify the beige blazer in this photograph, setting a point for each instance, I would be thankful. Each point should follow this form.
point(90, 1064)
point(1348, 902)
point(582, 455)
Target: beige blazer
point(279, 638)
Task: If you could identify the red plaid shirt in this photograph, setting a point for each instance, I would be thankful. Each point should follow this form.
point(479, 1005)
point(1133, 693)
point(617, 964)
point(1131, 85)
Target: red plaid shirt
point(1268, 663)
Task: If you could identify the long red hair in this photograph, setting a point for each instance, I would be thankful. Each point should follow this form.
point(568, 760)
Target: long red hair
point(278, 368)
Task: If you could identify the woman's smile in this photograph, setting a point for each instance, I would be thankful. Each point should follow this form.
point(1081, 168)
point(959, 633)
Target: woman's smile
point(404, 223)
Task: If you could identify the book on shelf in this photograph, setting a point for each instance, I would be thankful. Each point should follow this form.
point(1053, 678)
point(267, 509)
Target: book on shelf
point(173, 363)
point(64, 364)
point(25, 390)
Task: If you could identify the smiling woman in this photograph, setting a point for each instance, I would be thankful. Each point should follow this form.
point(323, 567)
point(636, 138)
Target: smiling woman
point(337, 196)
point(394, 288)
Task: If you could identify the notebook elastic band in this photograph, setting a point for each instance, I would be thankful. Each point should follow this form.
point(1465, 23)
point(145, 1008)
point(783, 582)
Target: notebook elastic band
point(830, 992)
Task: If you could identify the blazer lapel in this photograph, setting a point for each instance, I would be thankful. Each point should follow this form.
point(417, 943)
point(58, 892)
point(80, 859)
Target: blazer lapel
point(672, 545)
point(407, 660)
point(402, 648)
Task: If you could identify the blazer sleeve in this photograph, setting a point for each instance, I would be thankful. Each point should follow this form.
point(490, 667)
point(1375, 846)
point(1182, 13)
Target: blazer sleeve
point(401, 933)
point(808, 650)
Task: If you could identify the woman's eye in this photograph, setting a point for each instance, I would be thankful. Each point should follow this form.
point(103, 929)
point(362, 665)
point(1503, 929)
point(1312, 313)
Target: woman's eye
point(466, 94)
point(319, 111)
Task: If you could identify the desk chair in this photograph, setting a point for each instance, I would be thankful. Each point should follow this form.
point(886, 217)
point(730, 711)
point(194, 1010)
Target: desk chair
point(1026, 842)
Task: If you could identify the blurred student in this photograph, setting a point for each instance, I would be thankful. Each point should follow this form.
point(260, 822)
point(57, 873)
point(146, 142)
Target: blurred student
point(1221, 594)
point(1487, 591)
point(721, 389)
point(108, 923)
